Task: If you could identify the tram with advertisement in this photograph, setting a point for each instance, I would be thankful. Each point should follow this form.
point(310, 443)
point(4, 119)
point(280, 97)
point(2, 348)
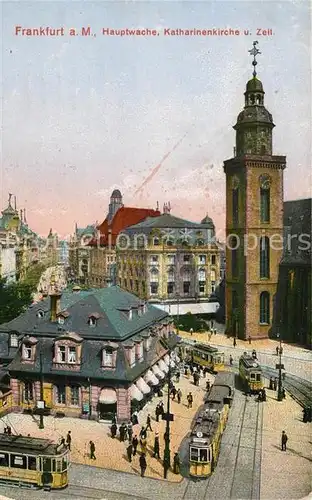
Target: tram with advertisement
point(250, 372)
point(33, 462)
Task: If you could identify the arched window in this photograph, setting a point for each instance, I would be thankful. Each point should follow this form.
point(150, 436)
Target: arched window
point(264, 257)
point(154, 275)
point(264, 198)
point(234, 244)
point(265, 308)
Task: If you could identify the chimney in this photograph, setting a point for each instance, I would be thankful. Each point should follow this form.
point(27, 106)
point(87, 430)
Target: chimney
point(55, 304)
point(15, 203)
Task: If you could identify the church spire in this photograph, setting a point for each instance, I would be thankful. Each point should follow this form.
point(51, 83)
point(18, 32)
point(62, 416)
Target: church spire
point(254, 52)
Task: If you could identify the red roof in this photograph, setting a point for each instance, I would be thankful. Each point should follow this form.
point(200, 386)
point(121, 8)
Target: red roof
point(124, 217)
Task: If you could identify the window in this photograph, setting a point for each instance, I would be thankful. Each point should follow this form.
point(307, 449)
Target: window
point(27, 352)
point(169, 242)
point(154, 258)
point(213, 260)
point(203, 455)
point(60, 394)
point(170, 287)
point(61, 320)
point(4, 459)
point(28, 391)
point(235, 206)
point(18, 461)
point(40, 314)
point(253, 376)
point(92, 321)
point(186, 258)
point(264, 257)
point(74, 395)
point(201, 275)
point(194, 454)
point(258, 377)
point(108, 357)
point(213, 286)
point(154, 288)
point(14, 340)
point(171, 259)
point(202, 286)
point(202, 259)
point(265, 182)
point(234, 253)
point(72, 358)
point(61, 358)
point(265, 308)
point(156, 241)
point(186, 287)
point(32, 464)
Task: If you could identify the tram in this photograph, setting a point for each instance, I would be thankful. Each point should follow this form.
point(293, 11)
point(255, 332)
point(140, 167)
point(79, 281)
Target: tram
point(202, 355)
point(29, 461)
point(251, 373)
point(210, 423)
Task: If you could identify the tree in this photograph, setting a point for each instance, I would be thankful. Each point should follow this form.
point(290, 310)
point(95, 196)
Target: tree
point(14, 299)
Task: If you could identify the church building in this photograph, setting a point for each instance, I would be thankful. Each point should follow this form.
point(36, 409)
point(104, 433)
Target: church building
point(254, 218)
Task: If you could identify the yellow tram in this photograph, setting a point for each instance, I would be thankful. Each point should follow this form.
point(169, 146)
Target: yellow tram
point(250, 372)
point(202, 354)
point(207, 432)
point(29, 461)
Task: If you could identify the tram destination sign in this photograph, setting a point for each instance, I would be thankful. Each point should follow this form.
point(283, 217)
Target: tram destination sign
point(280, 367)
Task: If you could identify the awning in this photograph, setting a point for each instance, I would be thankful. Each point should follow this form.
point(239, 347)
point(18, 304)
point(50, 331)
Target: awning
point(150, 378)
point(163, 367)
point(172, 364)
point(167, 359)
point(158, 372)
point(136, 393)
point(176, 309)
point(108, 396)
point(142, 386)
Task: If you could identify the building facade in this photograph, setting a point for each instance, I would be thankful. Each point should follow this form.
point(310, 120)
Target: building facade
point(254, 219)
point(96, 353)
point(164, 259)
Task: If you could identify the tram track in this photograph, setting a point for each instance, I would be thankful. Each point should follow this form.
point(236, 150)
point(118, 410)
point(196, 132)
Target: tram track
point(238, 445)
point(299, 389)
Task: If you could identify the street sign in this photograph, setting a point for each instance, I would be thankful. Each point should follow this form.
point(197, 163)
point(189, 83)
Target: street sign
point(168, 417)
point(279, 367)
point(40, 405)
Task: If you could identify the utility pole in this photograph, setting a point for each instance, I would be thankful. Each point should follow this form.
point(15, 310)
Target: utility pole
point(279, 366)
point(41, 424)
point(167, 433)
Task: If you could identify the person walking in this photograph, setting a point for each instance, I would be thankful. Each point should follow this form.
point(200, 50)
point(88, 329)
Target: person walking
point(113, 430)
point(130, 431)
point(129, 452)
point(143, 432)
point(277, 350)
point(249, 339)
point(68, 440)
point(274, 384)
point(157, 413)
point(176, 463)
point(173, 392)
point(143, 444)
point(208, 386)
point(143, 464)
point(191, 331)
point(189, 400)
point(122, 433)
point(135, 443)
point(92, 450)
point(149, 423)
point(177, 377)
point(234, 342)
point(231, 360)
point(179, 395)
point(156, 446)
point(284, 440)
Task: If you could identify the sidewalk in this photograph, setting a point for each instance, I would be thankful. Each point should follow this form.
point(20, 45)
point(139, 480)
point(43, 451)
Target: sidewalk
point(285, 475)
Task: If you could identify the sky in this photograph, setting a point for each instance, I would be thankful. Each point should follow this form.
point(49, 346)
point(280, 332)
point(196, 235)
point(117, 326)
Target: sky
point(83, 115)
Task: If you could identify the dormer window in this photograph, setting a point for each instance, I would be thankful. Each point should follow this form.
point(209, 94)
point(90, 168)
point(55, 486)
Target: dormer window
point(108, 357)
point(40, 314)
point(61, 320)
point(72, 357)
point(13, 340)
point(61, 358)
point(92, 321)
point(27, 351)
point(130, 314)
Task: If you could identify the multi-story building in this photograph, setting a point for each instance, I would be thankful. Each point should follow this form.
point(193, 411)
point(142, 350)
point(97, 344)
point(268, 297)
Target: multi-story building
point(170, 261)
point(254, 218)
point(93, 252)
point(91, 353)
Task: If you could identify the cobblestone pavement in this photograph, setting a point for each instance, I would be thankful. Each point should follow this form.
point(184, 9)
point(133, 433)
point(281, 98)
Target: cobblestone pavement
point(111, 453)
point(297, 360)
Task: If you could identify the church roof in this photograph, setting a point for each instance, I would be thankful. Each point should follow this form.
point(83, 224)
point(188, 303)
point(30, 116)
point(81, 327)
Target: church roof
point(254, 85)
point(207, 221)
point(165, 221)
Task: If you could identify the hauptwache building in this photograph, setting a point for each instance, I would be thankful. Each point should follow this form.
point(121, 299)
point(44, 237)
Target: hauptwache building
point(97, 353)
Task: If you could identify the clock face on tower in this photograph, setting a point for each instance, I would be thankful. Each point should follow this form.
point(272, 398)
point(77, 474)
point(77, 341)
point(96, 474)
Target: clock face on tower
point(265, 181)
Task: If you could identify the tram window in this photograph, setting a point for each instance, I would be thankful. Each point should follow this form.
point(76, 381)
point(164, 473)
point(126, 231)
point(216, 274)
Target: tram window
point(18, 461)
point(58, 465)
point(46, 464)
point(64, 464)
point(253, 375)
point(32, 465)
point(194, 454)
point(203, 455)
point(258, 377)
point(4, 459)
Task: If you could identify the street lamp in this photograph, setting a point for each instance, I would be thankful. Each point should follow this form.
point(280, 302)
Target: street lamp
point(167, 432)
point(279, 367)
point(41, 424)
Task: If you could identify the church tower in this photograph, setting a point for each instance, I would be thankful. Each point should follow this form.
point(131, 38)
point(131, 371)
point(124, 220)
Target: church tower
point(254, 218)
point(115, 204)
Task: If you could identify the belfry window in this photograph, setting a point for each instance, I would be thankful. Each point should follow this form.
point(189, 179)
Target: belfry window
point(264, 198)
point(264, 257)
point(264, 308)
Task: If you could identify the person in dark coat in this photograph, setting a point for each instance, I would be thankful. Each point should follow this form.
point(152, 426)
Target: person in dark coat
point(231, 359)
point(113, 430)
point(177, 377)
point(143, 464)
point(179, 395)
point(161, 407)
point(173, 393)
point(157, 413)
point(176, 463)
point(129, 431)
point(92, 450)
point(283, 393)
point(143, 433)
point(68, 440)
point(208, 385)
point(156, 446)
point(189, 400)
point(129, 452)
point(135, 443)
point(134, 418)
point(234, 342)
point(149, 422)
point(274, 384)
point(277, 351)
point(284, 440)
point(122, 433)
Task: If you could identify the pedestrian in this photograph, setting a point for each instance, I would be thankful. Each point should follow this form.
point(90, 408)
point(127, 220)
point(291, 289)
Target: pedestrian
point(176, 463)
point(277, 350)
point(10, 431)
point(179, 395)
point(189, 400)
point(156, 446)
point(113, 430)
point(122, 432)
point(173, 392)
point(249, 339)
point(149, 423)
point(234, 342)
point(143, 432)
point(274, 384)
point(135, 443)
point(271, 385)
point(211, 324)
point(143, 444)
point(231, 360)
point(157, 413)
point(208, 385)
point(205, 371)
point(161, 407)
point(215, 331)
point(143, 464)
point(92, 450)
point(281, 351)
point(68, 440)
point(185, 371)
point(62, 443)
point(191, 331)
point(177, 377)
point(134, 418)
point(130, 431)
point(129, 452)
point(284, 440)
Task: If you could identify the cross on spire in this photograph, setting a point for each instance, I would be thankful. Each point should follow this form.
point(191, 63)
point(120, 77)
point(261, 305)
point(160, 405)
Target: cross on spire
point(254, 52)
